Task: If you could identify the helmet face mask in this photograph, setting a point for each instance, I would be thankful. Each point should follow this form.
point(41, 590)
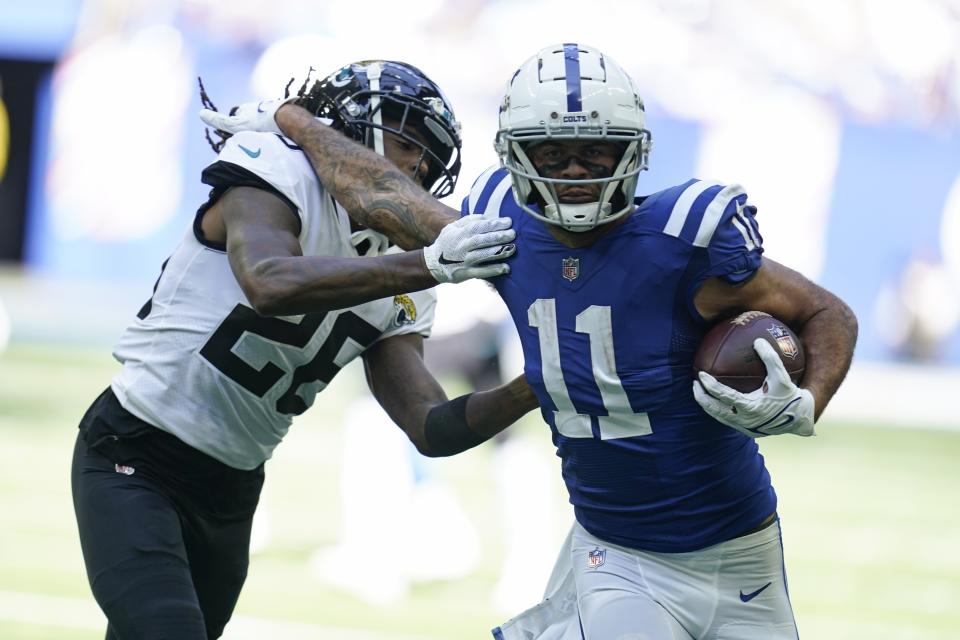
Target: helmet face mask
point(417, 127)
point(366, 99)
point(564, 93)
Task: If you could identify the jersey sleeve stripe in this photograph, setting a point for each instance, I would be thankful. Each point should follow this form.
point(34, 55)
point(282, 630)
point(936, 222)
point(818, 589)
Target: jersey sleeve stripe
point(681, 209)
point(747, 236)
point(480, 188)
point(714, 212)
point(749, 225)
point(492, 210)
point(754, 229)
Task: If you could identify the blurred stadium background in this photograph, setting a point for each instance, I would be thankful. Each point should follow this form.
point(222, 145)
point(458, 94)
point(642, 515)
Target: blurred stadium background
point(840, 117)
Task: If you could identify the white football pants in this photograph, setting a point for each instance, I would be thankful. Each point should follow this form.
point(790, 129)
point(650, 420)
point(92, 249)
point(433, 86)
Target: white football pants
point(735, 590)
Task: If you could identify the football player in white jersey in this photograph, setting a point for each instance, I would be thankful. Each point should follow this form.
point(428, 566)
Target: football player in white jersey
point(272, 290)
point(676, 534)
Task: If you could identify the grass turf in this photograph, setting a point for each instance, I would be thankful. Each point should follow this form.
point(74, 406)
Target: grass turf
point(869, 516)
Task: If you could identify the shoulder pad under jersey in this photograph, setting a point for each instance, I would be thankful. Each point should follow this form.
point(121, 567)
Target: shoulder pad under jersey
point(273, 158)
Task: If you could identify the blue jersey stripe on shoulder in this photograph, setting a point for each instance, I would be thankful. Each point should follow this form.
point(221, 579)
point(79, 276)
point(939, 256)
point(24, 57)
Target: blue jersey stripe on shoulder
point(484, 187)
point(476, 189)
point(714, 212)
point(684, 204)
point(495, 203)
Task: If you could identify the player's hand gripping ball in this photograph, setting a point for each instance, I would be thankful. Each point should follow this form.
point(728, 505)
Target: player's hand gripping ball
point(747, 369)
point(728, 355)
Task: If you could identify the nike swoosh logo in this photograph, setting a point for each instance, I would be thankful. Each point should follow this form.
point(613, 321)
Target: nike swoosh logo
point(767, 430)
point(763, 428)
point(787, 421)
point(747, 597)
point(259, 107)
point(443, 260)
point(252, 154)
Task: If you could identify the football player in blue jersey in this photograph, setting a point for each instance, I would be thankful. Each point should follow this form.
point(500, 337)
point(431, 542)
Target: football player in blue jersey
point(676, 533)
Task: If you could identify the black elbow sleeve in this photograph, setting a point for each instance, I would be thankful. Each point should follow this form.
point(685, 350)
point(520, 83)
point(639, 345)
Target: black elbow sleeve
point(446, 430)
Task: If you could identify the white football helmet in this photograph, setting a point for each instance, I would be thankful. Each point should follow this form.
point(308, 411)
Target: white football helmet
point(572, 92)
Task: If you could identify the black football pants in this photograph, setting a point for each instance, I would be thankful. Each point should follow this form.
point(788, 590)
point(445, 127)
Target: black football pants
point(164, 528)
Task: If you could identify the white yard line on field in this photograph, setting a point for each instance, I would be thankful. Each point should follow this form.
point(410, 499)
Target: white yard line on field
point(82, 613)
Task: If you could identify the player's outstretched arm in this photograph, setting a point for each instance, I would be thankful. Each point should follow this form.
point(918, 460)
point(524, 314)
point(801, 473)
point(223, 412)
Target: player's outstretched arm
point(827, 326)
point(265, 255)
point(413, 398)
point(371, 188)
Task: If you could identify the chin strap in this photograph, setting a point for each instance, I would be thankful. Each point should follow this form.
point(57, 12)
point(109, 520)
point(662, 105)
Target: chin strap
point(563, 212)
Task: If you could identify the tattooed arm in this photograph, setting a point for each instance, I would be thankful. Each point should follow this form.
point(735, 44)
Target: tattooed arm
point(260, 234)
point(371, 188)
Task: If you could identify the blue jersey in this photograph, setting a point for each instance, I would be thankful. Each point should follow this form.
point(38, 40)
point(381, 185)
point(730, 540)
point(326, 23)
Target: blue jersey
point(609, 332)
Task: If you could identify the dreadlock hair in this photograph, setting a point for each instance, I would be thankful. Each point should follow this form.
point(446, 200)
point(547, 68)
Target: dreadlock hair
point(208, 104)
point(310, 99)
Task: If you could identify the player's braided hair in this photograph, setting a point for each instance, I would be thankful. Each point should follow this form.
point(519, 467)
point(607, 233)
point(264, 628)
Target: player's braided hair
point(312, 99)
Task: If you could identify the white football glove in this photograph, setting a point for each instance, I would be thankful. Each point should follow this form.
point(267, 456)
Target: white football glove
point(465, 248)
point(250, 116)
point(777, 407)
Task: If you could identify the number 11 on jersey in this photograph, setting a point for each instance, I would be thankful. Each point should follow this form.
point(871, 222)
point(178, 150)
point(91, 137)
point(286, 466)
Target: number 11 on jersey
point(620, 421)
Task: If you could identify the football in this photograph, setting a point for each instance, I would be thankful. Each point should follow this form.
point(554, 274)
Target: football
point(727, 353)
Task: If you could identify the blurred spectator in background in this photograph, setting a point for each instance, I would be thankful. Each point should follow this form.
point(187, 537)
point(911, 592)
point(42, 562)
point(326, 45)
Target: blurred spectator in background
point(4, 134)
point(821, 91)
point(920, 310)
point(394, 488)
point(4, 327)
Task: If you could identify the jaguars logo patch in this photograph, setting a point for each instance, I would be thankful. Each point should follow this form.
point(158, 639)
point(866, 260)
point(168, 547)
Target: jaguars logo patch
point(404, 310)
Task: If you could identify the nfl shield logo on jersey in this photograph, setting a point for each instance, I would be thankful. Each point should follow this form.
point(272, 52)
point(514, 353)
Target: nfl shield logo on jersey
point(596, 558)
point(571, 268)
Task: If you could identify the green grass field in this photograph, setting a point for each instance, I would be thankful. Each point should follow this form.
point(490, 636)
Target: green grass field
point(870, 518)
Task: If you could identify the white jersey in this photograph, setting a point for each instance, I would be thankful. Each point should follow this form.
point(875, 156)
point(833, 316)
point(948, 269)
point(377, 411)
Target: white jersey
point(200, 363)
